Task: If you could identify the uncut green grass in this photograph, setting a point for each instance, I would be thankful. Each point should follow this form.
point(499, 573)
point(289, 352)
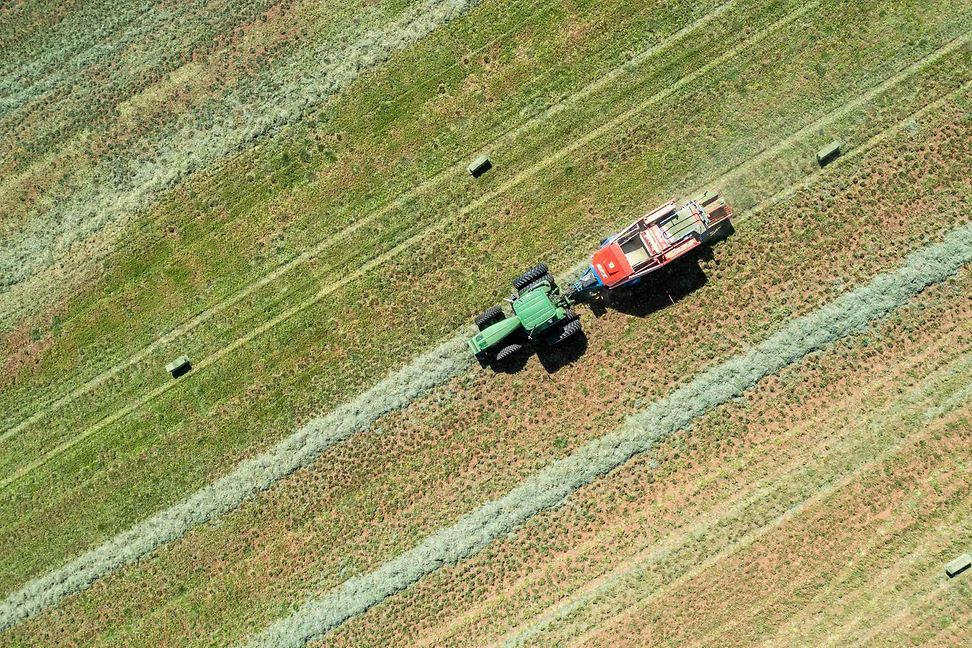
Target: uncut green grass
point(162, 281)
point(289, 289)
point(204, 603)
point(210, 422)
point(237, 210)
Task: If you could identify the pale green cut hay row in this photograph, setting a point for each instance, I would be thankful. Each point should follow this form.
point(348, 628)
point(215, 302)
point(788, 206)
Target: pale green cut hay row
point(848, 314)
point(248, 479)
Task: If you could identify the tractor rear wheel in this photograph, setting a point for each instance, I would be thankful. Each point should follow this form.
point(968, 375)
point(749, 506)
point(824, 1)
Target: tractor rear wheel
point(530, 276)
point(568, 329)
point(507, 351)
point(489, 317)
point(549, 278)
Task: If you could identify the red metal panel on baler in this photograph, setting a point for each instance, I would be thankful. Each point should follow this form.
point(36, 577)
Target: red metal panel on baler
point(611, 264)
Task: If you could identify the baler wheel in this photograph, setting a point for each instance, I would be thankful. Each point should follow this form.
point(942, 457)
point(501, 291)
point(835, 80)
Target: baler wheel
point(531, 275)
point(722, 231)
point(489, 317)
point(507, 351)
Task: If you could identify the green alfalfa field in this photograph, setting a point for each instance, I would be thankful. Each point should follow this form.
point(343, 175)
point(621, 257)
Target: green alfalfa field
point(766, 445)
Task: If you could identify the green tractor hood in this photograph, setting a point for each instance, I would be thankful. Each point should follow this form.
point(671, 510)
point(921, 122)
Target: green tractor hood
point(536, 309)
point(494, 334)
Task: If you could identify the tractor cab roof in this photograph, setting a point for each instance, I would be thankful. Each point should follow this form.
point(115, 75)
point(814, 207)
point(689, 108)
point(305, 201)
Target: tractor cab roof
point(535, 308)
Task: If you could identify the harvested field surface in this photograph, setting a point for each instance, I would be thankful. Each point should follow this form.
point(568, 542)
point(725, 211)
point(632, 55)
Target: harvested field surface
point(766, 443)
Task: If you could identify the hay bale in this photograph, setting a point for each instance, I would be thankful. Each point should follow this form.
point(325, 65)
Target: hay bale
point(179, 366)
point(958, 565)
point(479, 166)
point(830, 152)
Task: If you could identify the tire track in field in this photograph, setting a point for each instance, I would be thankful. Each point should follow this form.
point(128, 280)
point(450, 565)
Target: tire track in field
point(823, 493)
point(438, 635)
point(849, 314)
point(398, 388)
point(414, 240)
point(458, 166)
point(409, 243)
point(680, 538)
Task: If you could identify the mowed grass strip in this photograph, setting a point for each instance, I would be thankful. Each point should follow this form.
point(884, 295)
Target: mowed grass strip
point(260, 209)
point(329, 270)
point(284, 95)
point(142, 439)
point(547, 488)
point(906, 498)
point(670, 512)
point(433, 461)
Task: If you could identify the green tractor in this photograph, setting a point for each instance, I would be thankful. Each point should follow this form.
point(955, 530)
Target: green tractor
point(541, 313)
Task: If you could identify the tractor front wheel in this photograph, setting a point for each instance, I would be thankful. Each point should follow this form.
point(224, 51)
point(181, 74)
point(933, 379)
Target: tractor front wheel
point(489, 317)
point(531, 275)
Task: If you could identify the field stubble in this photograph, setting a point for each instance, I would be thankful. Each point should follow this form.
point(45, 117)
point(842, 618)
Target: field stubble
point(528, 452)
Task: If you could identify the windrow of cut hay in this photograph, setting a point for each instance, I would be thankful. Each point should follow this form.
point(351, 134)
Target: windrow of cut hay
point(252, 476)
point(134, 555)
point(844, 316)
point(197, 141)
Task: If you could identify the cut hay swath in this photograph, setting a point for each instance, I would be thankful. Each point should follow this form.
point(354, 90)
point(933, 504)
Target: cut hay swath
point(249, 478)
point(848, 314)
point(200, 142)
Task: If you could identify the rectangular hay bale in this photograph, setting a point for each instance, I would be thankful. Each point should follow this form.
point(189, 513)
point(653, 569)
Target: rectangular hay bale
point(179, 366)
point(829, 152)
point(958, 565)
point(479, 166)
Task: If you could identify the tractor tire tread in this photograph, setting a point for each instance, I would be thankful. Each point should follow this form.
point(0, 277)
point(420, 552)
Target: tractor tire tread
point(568, 329)
point(548, 278)
point(531, 275)
point(488, 317)
point(507, 351)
